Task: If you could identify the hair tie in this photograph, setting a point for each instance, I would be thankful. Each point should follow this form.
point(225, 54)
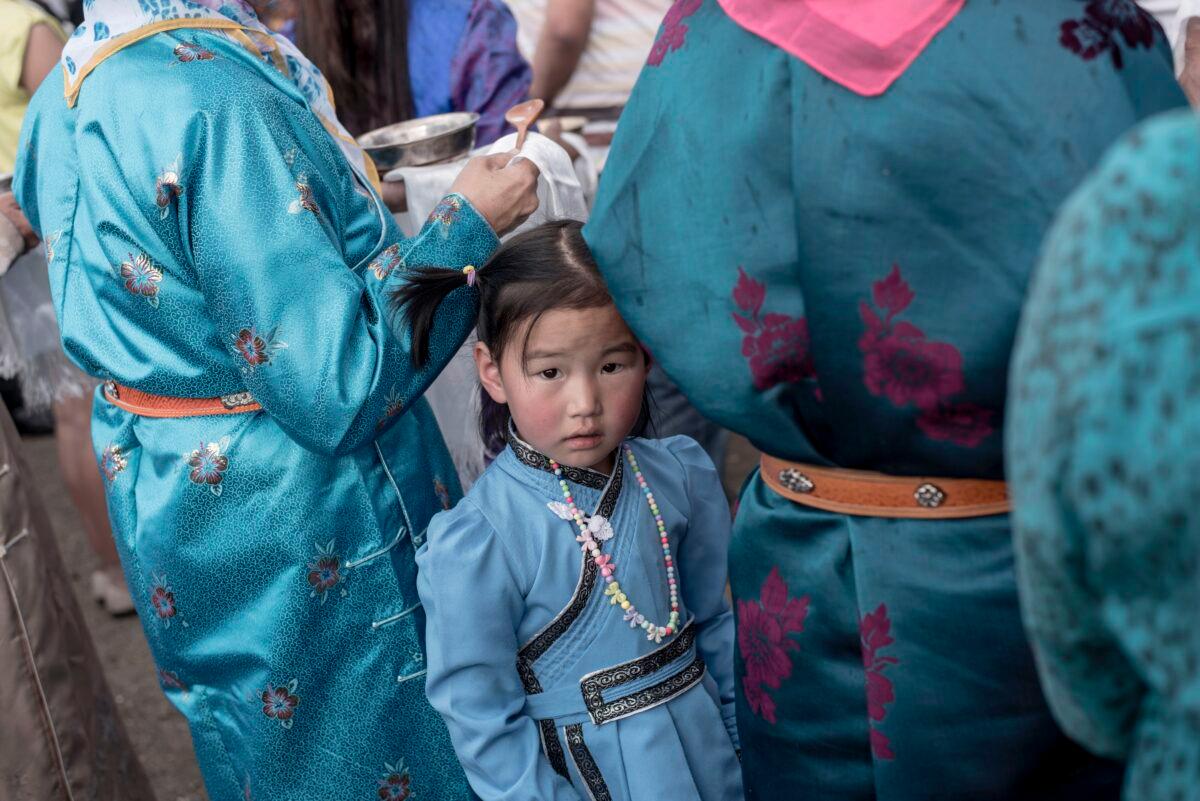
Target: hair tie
point(470, 272)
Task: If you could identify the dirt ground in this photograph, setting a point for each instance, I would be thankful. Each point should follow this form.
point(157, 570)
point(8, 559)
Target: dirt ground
point(159, 733)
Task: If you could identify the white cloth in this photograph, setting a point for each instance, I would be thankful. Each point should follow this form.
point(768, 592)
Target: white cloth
point(454, 396)
point(560, 195)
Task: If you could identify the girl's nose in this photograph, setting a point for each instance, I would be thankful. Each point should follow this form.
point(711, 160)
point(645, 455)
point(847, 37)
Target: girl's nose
point(585, 398)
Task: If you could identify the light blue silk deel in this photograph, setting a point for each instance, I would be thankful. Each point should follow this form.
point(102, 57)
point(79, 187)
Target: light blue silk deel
point(521, 626)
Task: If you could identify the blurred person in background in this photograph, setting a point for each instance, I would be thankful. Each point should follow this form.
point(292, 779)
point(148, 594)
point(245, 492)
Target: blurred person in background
point(31, 43)
point(61, 738)
point(388, 61)
point(586, 54)
point(392, 60)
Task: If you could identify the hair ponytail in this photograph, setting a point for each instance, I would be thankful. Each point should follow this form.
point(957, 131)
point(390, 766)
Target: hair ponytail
point(418, 301)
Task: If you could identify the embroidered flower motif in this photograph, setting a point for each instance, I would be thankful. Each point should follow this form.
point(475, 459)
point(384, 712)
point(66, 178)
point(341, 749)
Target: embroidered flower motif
point(763, 627)
point(394, 405)
point(875, 632)
point(761, 703)
point(1102, 21)
point(387, 262)
point(188, 52)
point(162, 598)
point(674, 32)
point(963, 424)
point(305, 202)
point(325, 572)
point(775, 345)
point(279, 703)
point(443, 494)
point(446, 212)
point(255, 349)
point(395, 784)
point(900, 364)
point(141, 277)
point(167, 188)
point(208, 464)
point(112, 462)
point(171, 680)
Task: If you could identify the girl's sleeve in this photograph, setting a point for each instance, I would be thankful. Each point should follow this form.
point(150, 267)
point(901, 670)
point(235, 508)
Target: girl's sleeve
point(267, 196)
point(702, 555)
point(473, 601)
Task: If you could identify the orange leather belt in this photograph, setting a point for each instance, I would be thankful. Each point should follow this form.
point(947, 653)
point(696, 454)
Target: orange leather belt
point(857, 492)
point(147, 405)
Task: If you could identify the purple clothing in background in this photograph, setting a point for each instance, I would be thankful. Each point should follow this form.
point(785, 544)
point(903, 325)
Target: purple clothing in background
point(463, 56)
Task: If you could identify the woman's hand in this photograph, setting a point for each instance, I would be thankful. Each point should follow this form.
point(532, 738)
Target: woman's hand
point(10, 209)
point(504, 195)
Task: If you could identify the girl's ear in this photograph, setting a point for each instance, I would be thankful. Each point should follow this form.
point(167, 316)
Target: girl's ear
point(489, 373)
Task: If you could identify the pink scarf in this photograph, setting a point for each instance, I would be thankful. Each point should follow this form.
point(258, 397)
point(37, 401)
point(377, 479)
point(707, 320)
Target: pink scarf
point(864, 45)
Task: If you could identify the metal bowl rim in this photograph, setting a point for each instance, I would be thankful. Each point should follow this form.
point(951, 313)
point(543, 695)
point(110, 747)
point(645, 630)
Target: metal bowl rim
point(468, 120)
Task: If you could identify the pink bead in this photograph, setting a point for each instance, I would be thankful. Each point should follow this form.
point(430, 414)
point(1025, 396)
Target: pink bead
point(669, 631)
point(606, 572)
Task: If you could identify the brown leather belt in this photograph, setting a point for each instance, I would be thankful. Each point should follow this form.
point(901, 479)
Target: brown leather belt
point(857, 492)
point(147, 405)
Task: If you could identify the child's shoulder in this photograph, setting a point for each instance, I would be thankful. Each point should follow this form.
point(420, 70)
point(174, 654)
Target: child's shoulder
point(680, 449)
point(492, 502)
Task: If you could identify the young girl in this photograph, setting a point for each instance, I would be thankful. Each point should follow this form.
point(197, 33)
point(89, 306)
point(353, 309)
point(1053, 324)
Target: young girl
point(579, 641)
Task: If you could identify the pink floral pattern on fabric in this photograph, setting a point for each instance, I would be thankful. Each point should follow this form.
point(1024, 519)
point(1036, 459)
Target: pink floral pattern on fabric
point(188, 52)
point(776, 345)
point(386, 262)
point(325, 573)
point(763, 627)
point(141, 277)
point(162, 598)
point(279, 703)
point(1104, 24)
point(674, 32)
point(256, 349)
point(446, 212)
point(900, 364)
point(207, 465)
point(396, 783)
point(875, 631)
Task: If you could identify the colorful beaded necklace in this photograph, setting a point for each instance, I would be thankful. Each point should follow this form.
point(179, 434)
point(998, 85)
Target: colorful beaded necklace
point(608, 568)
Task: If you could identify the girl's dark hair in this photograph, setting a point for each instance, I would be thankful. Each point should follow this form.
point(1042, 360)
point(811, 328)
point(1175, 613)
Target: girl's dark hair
point(362, 48)
point(548, 267)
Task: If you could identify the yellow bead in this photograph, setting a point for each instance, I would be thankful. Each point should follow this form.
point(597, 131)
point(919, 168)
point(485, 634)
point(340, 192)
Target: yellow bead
point(624, 604)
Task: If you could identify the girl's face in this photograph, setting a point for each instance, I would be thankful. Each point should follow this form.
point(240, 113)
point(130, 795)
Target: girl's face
point(578, 392)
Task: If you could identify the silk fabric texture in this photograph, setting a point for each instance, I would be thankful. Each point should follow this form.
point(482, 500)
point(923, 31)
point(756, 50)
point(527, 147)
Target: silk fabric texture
point(839, 278)
point(219, 242)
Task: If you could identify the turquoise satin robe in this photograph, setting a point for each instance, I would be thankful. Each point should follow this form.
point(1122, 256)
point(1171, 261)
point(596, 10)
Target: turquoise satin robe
point(839, 278)
point(1103, 465)
point(207, 237)
point(549, 694)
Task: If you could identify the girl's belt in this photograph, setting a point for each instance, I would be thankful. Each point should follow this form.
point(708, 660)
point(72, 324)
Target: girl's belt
point(857, 492)
point(147, 405)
